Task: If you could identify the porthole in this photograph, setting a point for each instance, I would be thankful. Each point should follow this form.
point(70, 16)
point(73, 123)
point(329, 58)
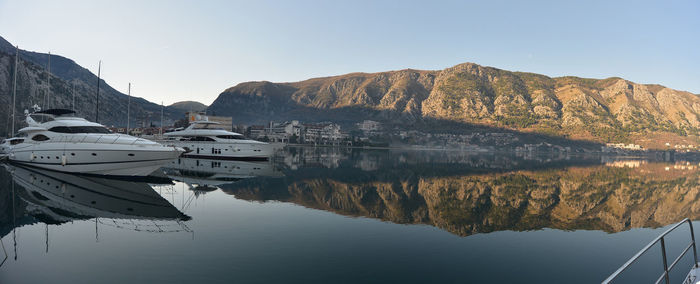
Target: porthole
point(131, 155)
point(94, 154)
point(56, 157)
point(72, 154)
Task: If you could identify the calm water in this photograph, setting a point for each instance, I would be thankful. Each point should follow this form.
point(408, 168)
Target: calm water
point(348, 216)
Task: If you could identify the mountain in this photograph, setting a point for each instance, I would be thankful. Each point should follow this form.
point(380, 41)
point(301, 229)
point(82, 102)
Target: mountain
point(602, 110)
point(67, 77)
point(186, 106)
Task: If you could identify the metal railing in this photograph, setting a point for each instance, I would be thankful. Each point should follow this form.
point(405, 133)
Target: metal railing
point(91, 139)
point(5, 251)
point(667, 267)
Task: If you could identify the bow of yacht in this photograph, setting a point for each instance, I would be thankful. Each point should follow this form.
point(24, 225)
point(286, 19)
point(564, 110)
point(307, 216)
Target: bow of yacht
point(56, 140)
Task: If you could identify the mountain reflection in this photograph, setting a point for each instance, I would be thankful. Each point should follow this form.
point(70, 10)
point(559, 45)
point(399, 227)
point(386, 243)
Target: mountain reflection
point(472, 194)
point(33, 195)
point(462, 193)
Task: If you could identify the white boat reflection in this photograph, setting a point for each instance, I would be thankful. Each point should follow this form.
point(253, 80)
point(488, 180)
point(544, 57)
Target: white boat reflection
point(61, 197)
point(57, 198)
point(208, 175)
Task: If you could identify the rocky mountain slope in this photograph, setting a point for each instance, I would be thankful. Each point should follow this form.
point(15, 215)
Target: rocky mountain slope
point(604, 110)
point(66, 77)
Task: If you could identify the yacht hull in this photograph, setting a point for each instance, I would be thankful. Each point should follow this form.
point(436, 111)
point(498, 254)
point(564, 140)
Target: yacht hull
point(120, 160)
point(138, 168)
point(218, 150)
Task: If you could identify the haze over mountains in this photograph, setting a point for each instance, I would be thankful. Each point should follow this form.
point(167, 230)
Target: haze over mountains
point(458, 99)
point(66, 77)
point(602, 110)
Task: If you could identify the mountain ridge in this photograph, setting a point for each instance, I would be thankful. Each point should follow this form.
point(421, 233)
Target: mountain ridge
point(188, 106)
point(66, 77)
point(603, 110)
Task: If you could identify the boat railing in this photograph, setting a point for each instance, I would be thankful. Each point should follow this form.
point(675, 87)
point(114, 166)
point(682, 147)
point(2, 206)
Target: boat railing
point(88, 139)
point(661, 239)
point(4, 251)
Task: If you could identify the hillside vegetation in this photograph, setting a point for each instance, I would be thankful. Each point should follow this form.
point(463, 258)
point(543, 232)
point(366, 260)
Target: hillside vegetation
point(67, 78)
point(602, 110)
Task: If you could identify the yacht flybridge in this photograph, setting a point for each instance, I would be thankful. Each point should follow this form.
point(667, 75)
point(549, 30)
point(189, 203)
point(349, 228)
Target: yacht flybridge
point(205, 139)
point(56, 140)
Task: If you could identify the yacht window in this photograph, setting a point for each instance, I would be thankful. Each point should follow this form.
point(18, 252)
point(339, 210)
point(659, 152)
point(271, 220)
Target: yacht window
point(16, 141)
point(80, 129)
point(237, 137)
point(41, 118)
point(40, 137)
point(197, 138)
point(60, 129)
point(207, 126)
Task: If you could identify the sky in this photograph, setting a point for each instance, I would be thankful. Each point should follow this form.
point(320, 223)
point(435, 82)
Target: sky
point(193, 50)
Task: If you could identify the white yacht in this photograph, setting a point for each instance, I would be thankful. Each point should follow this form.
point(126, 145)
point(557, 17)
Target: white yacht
point(206, 139)
point(61, 142)
point(6, 145)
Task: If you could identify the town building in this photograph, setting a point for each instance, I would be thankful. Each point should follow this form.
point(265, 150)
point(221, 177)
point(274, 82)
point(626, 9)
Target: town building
point(369, 127)
point(323, 133)
point(614, 147)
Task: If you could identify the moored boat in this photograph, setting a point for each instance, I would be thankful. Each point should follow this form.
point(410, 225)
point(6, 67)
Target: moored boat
point(62, 142)
point(206, 139)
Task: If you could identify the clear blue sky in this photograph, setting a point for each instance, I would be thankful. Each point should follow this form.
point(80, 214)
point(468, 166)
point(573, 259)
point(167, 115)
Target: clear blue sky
point(193, 50)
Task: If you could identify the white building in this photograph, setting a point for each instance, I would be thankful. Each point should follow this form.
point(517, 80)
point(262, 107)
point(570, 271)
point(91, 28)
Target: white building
point(369, 127)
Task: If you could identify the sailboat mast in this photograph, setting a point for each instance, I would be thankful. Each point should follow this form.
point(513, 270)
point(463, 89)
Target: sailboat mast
point(73, 92)
point(128, 109)
point(48, 82)
point(97, 102)
point(161, 118)
point(14, 91)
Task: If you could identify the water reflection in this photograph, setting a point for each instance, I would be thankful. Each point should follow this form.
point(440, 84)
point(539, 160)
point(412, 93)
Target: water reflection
point(204, 175)
point(460, 192)
point(259, 226)
point(468, 194)
point(34, 195)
